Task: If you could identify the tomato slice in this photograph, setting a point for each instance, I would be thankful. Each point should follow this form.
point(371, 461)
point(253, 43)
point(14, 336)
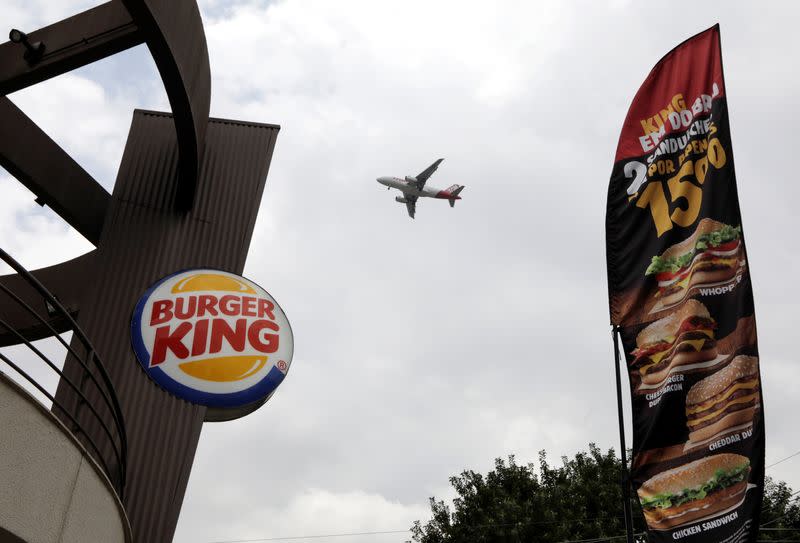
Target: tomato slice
point(727, 246)
point(668, 276)
point(696, 323)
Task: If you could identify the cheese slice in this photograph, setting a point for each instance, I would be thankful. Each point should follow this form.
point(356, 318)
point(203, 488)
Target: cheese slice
point(655, 358)
point(696, 343)
point(743, 399)
point(705, 405)
point(683, 282)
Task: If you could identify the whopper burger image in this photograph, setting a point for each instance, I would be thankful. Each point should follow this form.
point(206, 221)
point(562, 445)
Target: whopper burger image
point(725, 401)
point(711, 256)
point(700, 489)
point(682, 341)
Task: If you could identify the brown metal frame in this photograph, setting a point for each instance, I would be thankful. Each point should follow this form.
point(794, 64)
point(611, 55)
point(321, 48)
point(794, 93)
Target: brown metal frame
point(66, 280)
point(173, 32)
point(74, 42)
point(186, 195)
point(50, 173)
point(145, 239)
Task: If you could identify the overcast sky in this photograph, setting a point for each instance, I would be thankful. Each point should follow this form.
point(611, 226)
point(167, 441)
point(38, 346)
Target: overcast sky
point(426, 347)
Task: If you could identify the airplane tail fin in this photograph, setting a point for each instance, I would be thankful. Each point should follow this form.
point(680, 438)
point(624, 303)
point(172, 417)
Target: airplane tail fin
point(454, 191)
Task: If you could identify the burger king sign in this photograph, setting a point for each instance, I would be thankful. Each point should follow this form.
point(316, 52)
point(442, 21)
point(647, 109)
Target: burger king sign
point(212, 338)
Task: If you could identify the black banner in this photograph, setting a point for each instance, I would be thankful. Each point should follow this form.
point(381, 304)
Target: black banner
point(680, 292)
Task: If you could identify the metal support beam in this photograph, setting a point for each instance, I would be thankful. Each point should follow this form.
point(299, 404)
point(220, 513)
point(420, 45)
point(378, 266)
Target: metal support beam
point(144, 239)
point(174, 34)
point(50, 173)
point(173, 31)
point(67, 281)
point(74, 42)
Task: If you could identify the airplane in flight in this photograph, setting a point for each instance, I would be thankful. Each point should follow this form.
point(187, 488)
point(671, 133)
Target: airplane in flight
point(414, 188)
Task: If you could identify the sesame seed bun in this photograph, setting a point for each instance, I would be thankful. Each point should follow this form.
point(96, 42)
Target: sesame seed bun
point(693, 474)
point(740, 367)
point(705, 226)
point(714, 503)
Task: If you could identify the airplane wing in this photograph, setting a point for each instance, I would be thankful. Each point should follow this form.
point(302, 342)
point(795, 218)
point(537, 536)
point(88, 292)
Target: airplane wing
point(426, 173)
point(411, 205)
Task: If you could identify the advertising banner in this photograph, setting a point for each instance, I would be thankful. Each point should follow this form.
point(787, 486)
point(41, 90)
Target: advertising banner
point(681, 297)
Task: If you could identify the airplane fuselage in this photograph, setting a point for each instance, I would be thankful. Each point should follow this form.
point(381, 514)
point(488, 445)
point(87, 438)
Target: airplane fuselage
point(408, 187)
point(414, 188)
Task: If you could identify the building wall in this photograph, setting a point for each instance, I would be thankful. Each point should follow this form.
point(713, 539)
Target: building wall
point(51, 490)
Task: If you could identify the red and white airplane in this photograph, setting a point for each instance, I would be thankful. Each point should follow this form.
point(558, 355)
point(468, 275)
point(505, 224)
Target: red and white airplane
point(414, 188)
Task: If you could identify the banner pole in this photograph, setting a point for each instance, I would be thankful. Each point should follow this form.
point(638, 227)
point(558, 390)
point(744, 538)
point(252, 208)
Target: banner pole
point(625, 479)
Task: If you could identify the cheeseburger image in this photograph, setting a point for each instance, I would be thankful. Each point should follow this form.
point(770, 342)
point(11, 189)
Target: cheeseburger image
point(684, 338)
point(723, 401)
point(696, 490)
point(711, 255)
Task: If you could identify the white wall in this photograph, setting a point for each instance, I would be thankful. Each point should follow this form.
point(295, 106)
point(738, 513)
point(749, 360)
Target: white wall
point(51, 491)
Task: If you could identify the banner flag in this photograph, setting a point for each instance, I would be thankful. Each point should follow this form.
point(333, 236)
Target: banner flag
point(680, 293)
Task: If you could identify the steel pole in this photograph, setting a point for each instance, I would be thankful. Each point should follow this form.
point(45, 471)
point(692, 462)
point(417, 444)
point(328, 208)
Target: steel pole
point(625, 479)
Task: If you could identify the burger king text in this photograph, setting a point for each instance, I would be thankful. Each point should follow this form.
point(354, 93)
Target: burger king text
point(192, 318)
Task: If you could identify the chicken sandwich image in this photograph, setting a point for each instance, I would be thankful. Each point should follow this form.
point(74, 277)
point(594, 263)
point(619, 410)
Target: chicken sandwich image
point(700, 489)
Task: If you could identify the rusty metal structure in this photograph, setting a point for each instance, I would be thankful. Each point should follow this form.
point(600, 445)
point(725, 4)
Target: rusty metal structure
point(186, 195)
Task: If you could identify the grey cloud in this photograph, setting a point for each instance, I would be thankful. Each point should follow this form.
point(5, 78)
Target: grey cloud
point(425, 347)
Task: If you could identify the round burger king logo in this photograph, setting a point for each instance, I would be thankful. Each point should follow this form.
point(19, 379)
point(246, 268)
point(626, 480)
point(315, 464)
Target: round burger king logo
point(212, 338)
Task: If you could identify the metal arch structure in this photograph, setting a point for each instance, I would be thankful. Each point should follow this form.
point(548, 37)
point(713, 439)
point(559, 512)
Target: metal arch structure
point(105, 415)
point(186, 195)
point(173, 32)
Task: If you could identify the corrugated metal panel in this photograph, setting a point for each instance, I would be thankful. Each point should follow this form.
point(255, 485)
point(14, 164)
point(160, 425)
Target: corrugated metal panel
point(143, 240)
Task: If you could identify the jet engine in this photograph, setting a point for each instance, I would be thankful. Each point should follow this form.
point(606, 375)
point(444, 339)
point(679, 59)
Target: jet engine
point(411, 179)
point(400, 199)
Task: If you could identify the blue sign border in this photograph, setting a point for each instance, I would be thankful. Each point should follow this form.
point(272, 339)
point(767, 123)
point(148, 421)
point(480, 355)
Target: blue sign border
point(257, 392)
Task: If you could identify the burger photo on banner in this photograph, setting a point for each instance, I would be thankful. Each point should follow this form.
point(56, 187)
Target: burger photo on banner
point(723, 403)
point(705, 488)
point(710, 260)
point(679, 343)
point(681, 299)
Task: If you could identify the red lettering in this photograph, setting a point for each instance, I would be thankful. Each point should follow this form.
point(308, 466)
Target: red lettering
point(248, 306)
point(265, 308)
point(229, 305)
point(200, 337)
point(162, 312)
point(221, 329)
point(265, 343)
point(182, 313)
point(206, 303)
point(166, 341)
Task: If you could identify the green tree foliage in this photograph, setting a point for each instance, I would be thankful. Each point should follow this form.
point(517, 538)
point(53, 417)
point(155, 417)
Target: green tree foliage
point(780, 513)
point(578, 500)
